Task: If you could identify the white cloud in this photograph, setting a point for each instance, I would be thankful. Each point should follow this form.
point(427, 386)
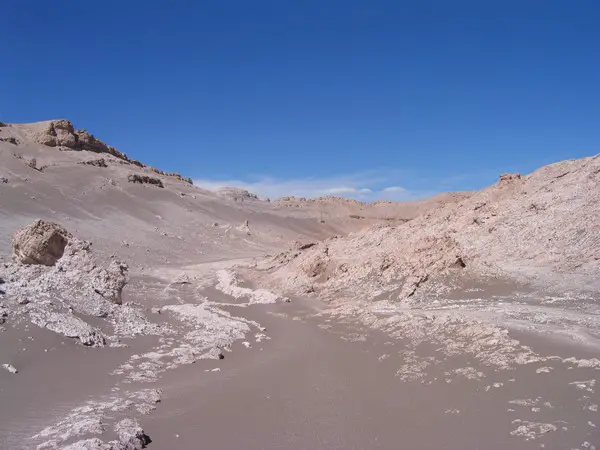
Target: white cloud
point(367, 186)
point(393, 189)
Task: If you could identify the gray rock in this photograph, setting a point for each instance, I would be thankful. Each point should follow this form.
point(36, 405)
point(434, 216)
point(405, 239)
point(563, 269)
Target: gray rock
point(109, 282)
point(41, 242)
point(182, 278)
point(131, 435)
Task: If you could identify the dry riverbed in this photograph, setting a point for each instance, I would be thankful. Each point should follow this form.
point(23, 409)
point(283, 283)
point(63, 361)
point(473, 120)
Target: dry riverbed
point(297, 373)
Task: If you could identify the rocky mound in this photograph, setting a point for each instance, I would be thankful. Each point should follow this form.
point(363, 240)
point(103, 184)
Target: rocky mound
point(55, 282)
point(236, 194)
point(541, 229)
point(62, 133)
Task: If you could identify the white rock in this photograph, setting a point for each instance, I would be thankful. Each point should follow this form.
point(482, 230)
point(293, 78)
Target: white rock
point(10, 368)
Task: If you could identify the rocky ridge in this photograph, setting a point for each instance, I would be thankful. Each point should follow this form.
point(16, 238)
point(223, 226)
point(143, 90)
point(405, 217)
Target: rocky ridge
point(62, 133)
point(539, 229)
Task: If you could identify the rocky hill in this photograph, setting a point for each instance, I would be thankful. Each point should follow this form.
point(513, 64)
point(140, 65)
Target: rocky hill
point(540, 230)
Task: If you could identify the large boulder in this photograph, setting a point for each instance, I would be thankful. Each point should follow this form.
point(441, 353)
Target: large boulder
point(57, 133)
point(41, 242)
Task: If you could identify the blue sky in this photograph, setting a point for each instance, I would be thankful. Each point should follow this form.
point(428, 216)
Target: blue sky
point(372, 99)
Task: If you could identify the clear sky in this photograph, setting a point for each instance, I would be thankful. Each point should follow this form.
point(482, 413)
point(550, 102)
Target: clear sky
point(314, 97)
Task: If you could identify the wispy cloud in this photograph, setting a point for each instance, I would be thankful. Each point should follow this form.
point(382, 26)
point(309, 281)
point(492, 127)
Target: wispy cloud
point(366, 186)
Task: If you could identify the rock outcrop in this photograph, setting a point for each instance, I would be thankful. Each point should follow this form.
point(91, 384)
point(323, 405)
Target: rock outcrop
point(62, 133)
point(41, 242)
point(131, 435)
point(507, 177)
point(100, 162)
point(236, 194)
point(144, 179)
point(540, 230)
point(175, 175)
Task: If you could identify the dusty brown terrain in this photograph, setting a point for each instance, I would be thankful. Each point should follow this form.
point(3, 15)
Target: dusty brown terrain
point(143, 311)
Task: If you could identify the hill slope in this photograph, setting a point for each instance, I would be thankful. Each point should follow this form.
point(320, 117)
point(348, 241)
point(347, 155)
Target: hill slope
point(540, 229)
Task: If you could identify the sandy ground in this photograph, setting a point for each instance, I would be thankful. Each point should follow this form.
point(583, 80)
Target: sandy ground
point(304, 378)
point(308, 387)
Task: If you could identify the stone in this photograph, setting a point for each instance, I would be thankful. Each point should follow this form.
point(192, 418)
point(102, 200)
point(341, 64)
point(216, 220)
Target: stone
point(109, 282)
point(10, 140)
point(10, 368)
point(41, 242)
point(131, 435)
point(459, 263)
point(182, 278)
